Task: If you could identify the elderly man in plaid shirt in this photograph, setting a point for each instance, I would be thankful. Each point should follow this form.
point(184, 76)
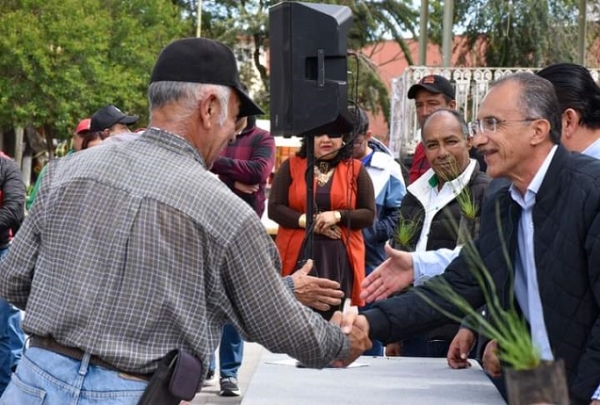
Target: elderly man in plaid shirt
point(134, 249)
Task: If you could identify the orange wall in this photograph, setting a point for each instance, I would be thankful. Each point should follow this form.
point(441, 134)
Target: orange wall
point(389, 59)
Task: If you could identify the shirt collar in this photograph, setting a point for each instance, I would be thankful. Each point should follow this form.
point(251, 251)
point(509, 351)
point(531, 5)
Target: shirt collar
point(593, 150)
point(174, 142)
point(537, 180)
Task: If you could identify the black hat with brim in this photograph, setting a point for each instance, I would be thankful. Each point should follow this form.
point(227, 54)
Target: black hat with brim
point(108, 116)
point(202, 60)
point(435, 84)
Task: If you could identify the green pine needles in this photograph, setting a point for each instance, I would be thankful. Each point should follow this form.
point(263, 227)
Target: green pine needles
point(468, 206)
point(406, 232)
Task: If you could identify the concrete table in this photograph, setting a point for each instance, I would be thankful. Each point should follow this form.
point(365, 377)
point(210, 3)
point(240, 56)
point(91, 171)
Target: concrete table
point(371, 380)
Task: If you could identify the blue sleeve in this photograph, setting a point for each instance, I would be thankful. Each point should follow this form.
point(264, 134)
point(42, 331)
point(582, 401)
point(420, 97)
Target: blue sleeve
point(394, 193)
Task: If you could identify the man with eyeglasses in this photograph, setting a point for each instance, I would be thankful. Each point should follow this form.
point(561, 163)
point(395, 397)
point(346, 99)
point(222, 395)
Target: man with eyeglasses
point(550, 221)
point(579, 100)
point(389, 188)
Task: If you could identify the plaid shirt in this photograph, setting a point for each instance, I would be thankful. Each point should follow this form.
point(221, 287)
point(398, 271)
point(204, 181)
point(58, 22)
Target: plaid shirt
point(133, 249)
point(249, 159)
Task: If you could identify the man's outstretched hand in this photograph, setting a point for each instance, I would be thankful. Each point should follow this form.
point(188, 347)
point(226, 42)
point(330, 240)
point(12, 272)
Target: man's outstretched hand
point(394, 274)
point(315, 292)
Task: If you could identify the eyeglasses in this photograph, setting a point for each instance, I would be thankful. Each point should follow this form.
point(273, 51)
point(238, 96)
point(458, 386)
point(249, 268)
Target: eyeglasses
point(490, 124)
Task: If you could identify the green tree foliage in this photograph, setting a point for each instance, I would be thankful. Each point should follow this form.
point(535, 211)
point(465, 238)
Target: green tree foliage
point(60, 60)
point(504, 33)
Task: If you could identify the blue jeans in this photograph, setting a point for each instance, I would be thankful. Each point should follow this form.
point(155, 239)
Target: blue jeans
point(44, 377)
point(231, 352)
point(11, 338)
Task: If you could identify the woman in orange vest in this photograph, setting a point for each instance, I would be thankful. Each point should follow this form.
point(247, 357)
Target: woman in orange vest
point(344, 204)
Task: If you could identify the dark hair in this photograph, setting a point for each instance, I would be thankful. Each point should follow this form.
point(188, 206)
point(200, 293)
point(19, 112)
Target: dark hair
point(360, 124)
point(537, 99)
point(360, 120)
point(344, 153)
point(456, 114)
point(89, 136)
point(576, 89)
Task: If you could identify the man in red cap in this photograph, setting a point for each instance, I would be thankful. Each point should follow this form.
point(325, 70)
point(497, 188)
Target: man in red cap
point(82, 128)
point(82, 139)
point(431, 93)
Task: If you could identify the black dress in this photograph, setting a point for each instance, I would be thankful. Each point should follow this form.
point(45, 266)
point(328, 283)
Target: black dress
point(330, 258)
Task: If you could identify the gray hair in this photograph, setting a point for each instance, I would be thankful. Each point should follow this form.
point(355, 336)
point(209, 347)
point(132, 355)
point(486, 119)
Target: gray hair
point(189, 95)
point(537, 99)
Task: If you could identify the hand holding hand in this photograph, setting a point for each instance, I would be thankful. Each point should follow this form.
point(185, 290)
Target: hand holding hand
point(394, 274)
point(459, 349)
point(315, 292)
point(333, 232)
point(491, 362)
point(356, 327)
point(246, 188)
point(325, 220)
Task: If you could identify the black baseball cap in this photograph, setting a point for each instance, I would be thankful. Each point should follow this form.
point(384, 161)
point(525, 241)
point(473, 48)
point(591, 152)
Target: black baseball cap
point(434, 84)
point(108, 116)
point(202, 60)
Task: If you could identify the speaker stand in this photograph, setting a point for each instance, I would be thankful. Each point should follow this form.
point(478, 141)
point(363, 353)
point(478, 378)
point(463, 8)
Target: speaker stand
point(310, 208)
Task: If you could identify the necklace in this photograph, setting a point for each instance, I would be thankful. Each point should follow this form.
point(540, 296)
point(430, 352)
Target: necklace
point(323, 173)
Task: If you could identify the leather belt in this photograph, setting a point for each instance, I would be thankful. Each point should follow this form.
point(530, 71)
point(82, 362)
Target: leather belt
point(48, 343)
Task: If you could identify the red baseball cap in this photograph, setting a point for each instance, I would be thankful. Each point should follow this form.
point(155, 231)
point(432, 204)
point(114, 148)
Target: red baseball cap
point(84, 125)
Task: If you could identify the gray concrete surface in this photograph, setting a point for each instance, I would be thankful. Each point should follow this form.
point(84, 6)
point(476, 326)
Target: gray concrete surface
point(210, 392)
point(382, 381)
point(372, 380)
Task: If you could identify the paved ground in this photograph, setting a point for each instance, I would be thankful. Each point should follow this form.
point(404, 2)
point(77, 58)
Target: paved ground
point(210, 393)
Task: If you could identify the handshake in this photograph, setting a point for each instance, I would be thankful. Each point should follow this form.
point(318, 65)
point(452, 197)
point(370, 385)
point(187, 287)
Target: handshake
point(356, 328)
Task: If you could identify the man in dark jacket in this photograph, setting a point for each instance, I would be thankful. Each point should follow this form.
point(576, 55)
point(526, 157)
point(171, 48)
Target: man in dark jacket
point(549, 220)
point(431, 208)
point(12, 210)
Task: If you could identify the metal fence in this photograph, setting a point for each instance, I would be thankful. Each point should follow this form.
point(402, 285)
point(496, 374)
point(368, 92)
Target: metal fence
point(470, 84)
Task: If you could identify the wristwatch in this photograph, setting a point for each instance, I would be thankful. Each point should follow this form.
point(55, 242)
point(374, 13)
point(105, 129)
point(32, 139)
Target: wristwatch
point(337, 215)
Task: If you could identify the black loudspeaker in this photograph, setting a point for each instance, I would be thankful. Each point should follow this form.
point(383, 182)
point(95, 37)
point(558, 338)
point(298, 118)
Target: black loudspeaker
point(309, 69)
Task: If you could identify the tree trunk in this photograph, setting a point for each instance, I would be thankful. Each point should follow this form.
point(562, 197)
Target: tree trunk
point(36, 141)
point(546, 384)
point(19, 131)
point(49, 136)
point(262, 70)
point(26, 169)
point(40, 154)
